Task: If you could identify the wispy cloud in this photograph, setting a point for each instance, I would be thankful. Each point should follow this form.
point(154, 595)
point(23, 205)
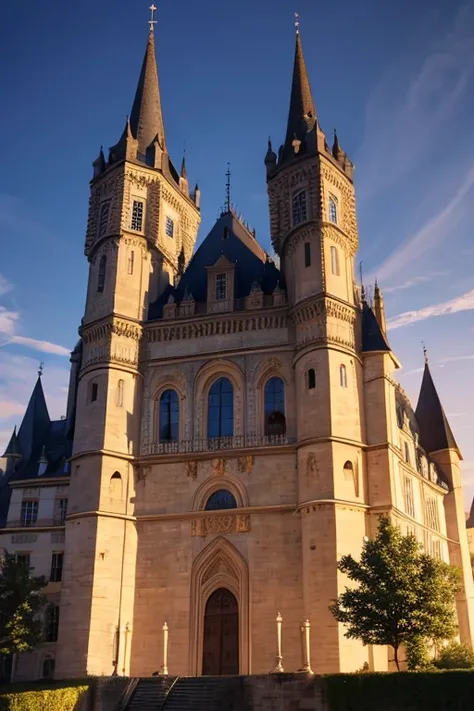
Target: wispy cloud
point(43, 346)
point(403, 118)
point(432, 232)
point(460, 303)
point(5, 285)
point(409, 283)
point(8, 321)
point(9, 408)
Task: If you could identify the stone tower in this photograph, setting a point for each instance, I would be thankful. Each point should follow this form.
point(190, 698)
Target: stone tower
point(314, 231)
point(142, 227)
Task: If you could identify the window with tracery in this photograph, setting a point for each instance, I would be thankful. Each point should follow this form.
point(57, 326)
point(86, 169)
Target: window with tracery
point(275, 421)
point(220, 414)
point(221, 499)
point(169, 416)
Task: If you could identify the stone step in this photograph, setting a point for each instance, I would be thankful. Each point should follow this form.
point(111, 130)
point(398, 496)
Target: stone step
point(150, 694)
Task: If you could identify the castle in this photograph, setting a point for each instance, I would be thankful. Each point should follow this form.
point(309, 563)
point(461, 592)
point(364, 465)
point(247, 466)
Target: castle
point(233, 426)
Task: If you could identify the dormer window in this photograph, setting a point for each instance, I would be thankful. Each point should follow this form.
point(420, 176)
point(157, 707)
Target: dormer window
point(221, 287)
point(137, 216)
point(169, 227)
point(104, 218)
point(332, 209)
point(299, 209)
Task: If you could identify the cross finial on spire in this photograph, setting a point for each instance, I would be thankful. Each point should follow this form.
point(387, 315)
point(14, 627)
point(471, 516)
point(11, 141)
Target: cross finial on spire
point(297, 22)
point(152, 21)
point(227, 189)
point(40, 369)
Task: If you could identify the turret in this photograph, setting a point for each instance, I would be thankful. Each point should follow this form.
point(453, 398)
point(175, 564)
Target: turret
point(379, 308)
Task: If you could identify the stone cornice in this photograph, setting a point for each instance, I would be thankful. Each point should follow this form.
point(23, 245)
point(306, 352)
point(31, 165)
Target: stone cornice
point(30, 483)
point(112, 325)
point(308, 506)
point(325, 305)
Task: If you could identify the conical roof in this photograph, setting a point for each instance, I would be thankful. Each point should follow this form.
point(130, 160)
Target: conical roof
point(302, 108)
point(35, 422)
point(13, 449)
point(373, 338)
point(435, 432)
point(146, 119)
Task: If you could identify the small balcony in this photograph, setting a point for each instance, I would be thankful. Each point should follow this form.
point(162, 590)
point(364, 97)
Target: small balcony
point(218, 444)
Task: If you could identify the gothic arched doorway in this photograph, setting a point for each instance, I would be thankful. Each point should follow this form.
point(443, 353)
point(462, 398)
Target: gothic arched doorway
point(221, 634)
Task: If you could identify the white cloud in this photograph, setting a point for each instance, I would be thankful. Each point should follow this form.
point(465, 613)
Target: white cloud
point(409, 283)
point(43, 346)
point(460, 303)
point(9, 408)
point(8, 321)
point(435, 230)
point(5, 285)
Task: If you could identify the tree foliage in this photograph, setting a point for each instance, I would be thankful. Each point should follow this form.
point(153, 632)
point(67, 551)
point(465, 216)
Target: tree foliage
point(455, 656)
point(401, 593)
point(21, 605)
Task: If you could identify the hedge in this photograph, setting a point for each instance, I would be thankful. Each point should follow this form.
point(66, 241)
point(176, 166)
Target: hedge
point(405, 691)
point(42, 698)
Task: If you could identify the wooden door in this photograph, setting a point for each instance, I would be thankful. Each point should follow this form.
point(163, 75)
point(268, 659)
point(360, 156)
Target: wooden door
point(221, 634)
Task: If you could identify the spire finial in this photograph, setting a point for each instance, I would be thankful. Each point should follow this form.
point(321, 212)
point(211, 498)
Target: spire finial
point(40, 369)
point(425, 352)
point(152, 21)
point(297, 22)
point(362, 290)
point(227, 189)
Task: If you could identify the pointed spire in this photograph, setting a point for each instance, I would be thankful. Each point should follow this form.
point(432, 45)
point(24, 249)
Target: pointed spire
point(35, 422)
point(13, 450)
point(302, 114)
point(435, 432)
point(337, 151)
point(184, 174)
point(146, 118)
point(373, 337)
point(379, 308)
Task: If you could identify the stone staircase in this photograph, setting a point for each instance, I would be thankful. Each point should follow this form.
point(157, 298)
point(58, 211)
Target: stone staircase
point(149, 694)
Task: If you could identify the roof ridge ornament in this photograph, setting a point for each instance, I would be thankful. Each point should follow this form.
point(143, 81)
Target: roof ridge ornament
point(40, 369)
point(425, 352)
point(297, 22)
point(152, 21)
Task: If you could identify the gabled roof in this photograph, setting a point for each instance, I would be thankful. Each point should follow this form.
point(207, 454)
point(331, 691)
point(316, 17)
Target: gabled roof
point(435, 432)
point(302, 113)
point(373, 339)
point(231, 240)
point(35, 422)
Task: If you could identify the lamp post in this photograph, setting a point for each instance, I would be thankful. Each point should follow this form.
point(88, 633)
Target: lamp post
point(279, 659)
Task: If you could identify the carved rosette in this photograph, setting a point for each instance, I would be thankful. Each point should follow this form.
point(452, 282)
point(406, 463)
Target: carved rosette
point(218, 525)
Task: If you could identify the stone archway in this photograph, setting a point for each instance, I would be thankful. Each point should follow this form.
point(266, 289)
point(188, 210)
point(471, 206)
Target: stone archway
point(218, 566)
point(220, 655)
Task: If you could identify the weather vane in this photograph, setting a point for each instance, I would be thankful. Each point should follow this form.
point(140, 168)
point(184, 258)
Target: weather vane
point(297, 22)
point(40, 369)
point(425, 352)
point(152, 22)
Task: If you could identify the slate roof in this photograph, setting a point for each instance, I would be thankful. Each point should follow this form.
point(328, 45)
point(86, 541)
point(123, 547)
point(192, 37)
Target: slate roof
point(373, 338)
point(302, 114)
point(231, 239)
point(435, 432)
point(38, 435)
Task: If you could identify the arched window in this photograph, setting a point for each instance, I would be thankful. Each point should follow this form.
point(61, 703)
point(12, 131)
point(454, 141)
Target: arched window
point(332, 209)
point(115, 487)
point(47, 671)
point(334, 261)
point(299, 211)
point(220, 414)
point(221, 499)
point(311, 379)
point(343, 376)
point(307, 254)
point(169, 416)
point(131, 262)
point(275, 421)
point(120, 393)
point(101, 276)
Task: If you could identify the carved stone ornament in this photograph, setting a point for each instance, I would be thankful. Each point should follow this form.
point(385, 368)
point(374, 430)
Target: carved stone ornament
point(218, 567)
point(218, 467)
point(192, 469)
point(142, 472)
point(311, 465)
point(213, 525)
point(245, 464)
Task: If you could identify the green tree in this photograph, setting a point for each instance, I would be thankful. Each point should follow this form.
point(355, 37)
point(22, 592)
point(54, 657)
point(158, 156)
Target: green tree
point(455, 656)
point(401, 593)
point(21, 605)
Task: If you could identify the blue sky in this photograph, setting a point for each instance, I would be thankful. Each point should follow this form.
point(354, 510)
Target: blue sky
point(396, 79)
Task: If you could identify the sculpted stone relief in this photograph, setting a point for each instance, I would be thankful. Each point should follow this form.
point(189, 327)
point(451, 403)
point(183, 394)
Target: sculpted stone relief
point(226, 524)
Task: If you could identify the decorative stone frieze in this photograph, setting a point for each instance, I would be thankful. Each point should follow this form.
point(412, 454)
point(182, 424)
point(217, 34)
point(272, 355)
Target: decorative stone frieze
point(192, 469)
point(25, 538)
point(214, 525)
